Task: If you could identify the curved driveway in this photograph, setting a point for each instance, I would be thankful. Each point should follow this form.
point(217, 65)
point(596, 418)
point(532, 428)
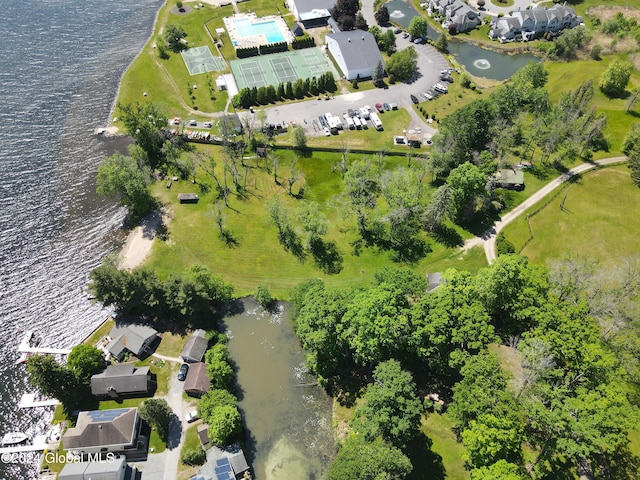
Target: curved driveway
point(488, 238)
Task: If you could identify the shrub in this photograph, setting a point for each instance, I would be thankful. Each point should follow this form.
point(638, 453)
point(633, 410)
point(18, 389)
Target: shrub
point(263, 296)
point(504, 246)
point(194, 457)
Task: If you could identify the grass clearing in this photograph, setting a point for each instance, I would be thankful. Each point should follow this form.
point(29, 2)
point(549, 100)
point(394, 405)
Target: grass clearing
point(591, 222)
point(444, 452)
point(257, 257)
point(191, 442)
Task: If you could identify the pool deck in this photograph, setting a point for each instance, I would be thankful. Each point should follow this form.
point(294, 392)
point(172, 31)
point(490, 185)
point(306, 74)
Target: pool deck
point(255, 40)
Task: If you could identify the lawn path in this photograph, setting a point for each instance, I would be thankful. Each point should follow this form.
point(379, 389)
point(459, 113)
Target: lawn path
point(488, 238)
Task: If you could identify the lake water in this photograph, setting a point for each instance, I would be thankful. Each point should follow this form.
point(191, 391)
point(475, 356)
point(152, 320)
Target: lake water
point(287, 416)
point(61, 64)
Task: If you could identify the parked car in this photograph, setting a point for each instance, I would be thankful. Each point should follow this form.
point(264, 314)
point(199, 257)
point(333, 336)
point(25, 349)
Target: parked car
point(207, 124)
point(405, 35)
point(386, 107)
point(439, 87)
point(414, 99)
point(327, 132)
point(379, 108)
point(175, 121)
point(182, 374)
point(351, 113)
point(427, 95)
point(323, 122)
point(191, 417)
point(193, 123)
point(418, 40)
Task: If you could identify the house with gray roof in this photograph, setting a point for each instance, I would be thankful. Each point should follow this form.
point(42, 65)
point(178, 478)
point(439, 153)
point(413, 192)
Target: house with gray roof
point(223, 464)
point(102, 431)
point(122, 380)
point(533, 23)
point(509, 178)
point(355, 52)
point(195, 347)
point(135, 339)
point(110, 469)
point(197, 382)
point(458, 15)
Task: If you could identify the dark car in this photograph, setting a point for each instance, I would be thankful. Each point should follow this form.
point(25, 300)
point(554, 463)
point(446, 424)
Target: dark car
point(379, 108)
point(397, 31)
point(414, 99)
point(351, 113)
point(386, 107)
point(182, 374)
point(322, 121)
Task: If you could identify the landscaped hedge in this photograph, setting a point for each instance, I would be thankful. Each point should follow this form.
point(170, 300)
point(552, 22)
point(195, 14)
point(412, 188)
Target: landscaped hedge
point(274, 48)
point(303, 42)
point(247, 52)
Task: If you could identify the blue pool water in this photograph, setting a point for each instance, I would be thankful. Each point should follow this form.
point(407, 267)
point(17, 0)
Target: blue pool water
point(270, 29)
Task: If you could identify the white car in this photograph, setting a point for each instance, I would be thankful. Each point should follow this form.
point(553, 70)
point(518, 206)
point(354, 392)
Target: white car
point(191, 417)
point(193, 123)
point(427, 95)
point(327, 132)
point(207, 124)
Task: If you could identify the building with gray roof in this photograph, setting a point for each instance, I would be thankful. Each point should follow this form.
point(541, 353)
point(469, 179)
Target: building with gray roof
point(355, 52)
point(311, 12)
point(197, 382)
point(195, 347)
point(113, 468)
point(103, 431)
point(135, 339)
point(122, 380)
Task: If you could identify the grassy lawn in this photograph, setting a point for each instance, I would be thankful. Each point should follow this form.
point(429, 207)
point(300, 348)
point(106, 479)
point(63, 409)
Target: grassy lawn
point(257, 257)
point(101, 332)
point(191, 441)
point(441, 451)
point(593, 222)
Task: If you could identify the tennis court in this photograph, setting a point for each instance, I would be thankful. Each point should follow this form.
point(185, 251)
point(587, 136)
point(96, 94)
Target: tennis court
point(278, 68)
point(200, 60)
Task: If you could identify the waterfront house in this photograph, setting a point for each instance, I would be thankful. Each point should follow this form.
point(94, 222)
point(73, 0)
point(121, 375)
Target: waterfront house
point(458, 15)
point(195, 347)
point(197, 382)
point(135, 339)
point(103, 431)
point(356, 53)
point(223, 464)
point(111, 469)
point(122, 380)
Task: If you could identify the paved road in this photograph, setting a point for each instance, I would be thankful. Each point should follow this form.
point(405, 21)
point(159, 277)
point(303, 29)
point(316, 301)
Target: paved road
point(488, 238)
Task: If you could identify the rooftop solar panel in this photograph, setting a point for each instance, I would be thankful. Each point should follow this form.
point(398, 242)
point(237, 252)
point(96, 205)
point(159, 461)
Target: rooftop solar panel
point(222, 461)
point(106, 415)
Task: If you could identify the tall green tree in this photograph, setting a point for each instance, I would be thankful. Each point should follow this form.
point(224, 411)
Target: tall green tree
point(55, 381)
point(157, 413)
point(467, 183)
point(391, 408)
point(360, 191)
point(490, 439)
point(219, 370)
point(614, 79)
point(214, 398)
point(382, 15)
point(85, 360)
point(418, 27)
point(359, 459)
point(224, 424)
point(121, 177)
point(501, 470)
point(403, 64)
point(173, 34)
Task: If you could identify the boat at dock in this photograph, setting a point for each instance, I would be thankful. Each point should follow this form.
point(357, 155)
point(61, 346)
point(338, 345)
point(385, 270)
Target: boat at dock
point(14, 438)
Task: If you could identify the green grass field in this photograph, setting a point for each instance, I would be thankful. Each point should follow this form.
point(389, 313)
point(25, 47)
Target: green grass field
point(258, 258)
point(593, 221)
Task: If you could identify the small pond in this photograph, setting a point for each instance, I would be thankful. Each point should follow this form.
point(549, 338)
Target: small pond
point(477, 61)
point(287, 416)
point(487, 63)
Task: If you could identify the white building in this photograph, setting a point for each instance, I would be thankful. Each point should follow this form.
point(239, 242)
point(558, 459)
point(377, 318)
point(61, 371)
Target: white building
point(355, 52)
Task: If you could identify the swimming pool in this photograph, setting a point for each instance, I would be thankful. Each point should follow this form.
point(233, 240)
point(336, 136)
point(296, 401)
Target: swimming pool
point(269, 28)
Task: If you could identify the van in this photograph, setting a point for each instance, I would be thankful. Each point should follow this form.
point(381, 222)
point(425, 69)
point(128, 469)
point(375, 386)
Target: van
point(350, 123)
point(357, 123)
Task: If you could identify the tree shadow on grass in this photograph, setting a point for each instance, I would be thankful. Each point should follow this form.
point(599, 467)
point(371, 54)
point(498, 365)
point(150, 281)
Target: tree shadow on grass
point(447, 236)
point(326, 255)
point(427, 464)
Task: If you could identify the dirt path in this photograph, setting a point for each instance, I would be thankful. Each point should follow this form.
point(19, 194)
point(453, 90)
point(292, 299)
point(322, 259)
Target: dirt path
point(488, 237)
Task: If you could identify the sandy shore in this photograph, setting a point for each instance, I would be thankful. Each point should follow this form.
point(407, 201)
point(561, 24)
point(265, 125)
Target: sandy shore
point(140, 240)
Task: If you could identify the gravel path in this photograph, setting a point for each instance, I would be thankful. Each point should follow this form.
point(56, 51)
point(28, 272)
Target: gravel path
point(488, 237)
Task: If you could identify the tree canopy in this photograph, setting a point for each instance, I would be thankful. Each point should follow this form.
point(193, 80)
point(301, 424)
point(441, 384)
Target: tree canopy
point(403, 64)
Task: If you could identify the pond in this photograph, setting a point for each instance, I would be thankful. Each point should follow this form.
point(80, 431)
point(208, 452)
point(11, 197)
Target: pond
point(487, 63)
point(476, 60)
point(287, 416)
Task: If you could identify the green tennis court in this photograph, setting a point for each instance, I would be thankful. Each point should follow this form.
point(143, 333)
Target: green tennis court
point(200, 60)
point(278, 68)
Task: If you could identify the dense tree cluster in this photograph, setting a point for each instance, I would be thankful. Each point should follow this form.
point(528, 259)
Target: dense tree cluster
point(402, 65)
point(572, 331)
point(631, 148)
point(298, 89)
point(196, 297)
point(158, 414)
point(386, 40)
point(519, 115)
point(346, 13)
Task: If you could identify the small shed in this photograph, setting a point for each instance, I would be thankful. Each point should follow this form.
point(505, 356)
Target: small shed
point(195, 347)
point(188, 198)
point(510, 178)
point(197, 382)
point(203, 434)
